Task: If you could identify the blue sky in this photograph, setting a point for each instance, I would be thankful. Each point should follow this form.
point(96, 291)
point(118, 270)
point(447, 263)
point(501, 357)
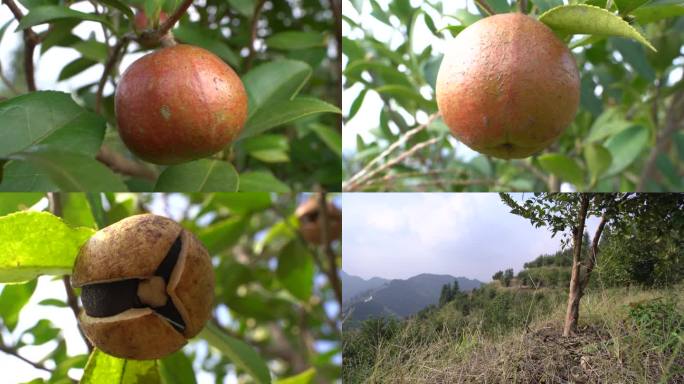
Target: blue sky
point(399, 235)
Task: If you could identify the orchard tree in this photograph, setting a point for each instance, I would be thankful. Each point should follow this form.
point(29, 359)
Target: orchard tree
point(567, 214)
point(222, 96)
point(587, 95)
point(274, 312)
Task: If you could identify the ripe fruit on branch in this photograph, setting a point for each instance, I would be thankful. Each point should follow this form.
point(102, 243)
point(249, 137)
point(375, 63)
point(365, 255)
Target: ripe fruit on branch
point(178, 104)
point(147, 285)
point(507, 86)
point(310, 223)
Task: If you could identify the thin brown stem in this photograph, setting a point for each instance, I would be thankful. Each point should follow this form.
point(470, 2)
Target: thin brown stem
point(253, 34)
point(56, 208)
point(487, 8)
point(15, 353)
point(327, 249)
point(31, 39)
point(522, 6)
point(173, 19)
point(109, 65)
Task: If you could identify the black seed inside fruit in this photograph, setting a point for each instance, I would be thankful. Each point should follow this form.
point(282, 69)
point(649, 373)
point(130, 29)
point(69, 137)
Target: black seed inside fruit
point(112, 298)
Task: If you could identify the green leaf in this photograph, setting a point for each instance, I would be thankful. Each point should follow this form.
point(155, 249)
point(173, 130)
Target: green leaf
point(50, 119)
point(590, 20)
point(329, 136)
point(271, 156)
point(293, 40)
point(356, 105)
point(73, 172)
point(305, 377)
point(563, 167)
point(261, 181)
point(117, 4)
point(238, 352)
point(627, 6)
point(43, 332)
point(245, 7)
point(222, 235)
point(610, 122)
point(658, 10)
point(13, 298)
point(12, 202)
point(48, 13)
point(76, 210)
point(102, 368)
point(243, 202)
point(92, 49)
point(275, 81)
point(176, 368)
point(202, 175)
point(545, 5)
point(598, 160)
point(75, 67)
point(625, 147)
point(95, 204)
point(27, 254)
point(194, 35)
point(296, 270)
point(53, 303)
point(284, 112)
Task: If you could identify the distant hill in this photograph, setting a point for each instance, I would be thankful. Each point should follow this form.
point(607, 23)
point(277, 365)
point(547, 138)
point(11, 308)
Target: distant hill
point(354, 285)
point(402, 298)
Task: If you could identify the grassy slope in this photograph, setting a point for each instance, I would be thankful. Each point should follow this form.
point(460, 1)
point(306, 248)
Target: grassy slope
point(608, 348)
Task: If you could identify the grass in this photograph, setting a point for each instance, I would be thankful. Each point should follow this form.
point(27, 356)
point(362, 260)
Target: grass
point(626, 335)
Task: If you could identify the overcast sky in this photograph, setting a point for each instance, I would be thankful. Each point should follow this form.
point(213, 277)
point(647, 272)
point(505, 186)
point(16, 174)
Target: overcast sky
point(399, 235)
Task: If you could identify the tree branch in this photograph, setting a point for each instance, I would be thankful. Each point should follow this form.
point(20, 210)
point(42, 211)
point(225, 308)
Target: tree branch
point(253, 34)
point(55, 206)
point(363, 173)
point(111, 61)
point(15, 353)
point(173, 19)
point(31, 39)
point(484, 5)
point(593, 253)
point(327, 249)
point(123, 165)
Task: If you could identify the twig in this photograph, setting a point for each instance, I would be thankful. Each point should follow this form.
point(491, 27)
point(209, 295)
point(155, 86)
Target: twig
point(111, 61)
point(15, 353)
point(359, 183)
point(173, 19)
point(522, 6)
point(55, 206)
point(31, 39)
point(458, 183)
point(327, 249)
point(121, 164)
point(253, 34)
point(487, 8)
point(405, 137)
point(672, 124)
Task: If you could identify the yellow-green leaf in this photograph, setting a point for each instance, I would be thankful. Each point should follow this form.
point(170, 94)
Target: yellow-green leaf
point(563, 167)
point(590, 20)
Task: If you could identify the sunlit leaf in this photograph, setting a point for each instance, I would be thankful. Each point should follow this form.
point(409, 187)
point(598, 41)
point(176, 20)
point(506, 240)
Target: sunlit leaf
point(103, 368)
point(238, 352)
point(202, 175)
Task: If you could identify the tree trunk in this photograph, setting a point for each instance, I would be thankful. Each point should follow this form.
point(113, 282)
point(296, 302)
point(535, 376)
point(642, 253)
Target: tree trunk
point(593, 254)
point(574, 295)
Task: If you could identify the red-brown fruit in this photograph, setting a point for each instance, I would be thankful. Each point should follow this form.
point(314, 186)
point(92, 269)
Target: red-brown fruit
point(508, 87)
point(179, 104)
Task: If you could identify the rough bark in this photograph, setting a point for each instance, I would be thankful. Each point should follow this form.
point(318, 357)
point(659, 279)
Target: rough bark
point(574, 295)
point(593, 254)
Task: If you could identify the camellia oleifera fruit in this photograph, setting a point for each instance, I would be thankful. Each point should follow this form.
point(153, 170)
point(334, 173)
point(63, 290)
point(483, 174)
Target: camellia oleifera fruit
point(507, 86)
point(310, 221)
point(147, 285)
point(178, 104)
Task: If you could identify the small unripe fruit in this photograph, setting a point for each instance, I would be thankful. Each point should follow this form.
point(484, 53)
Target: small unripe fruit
point(507, 87)
point(178, 104)
point(310, 222)
point(140, 23)
point(147, 285)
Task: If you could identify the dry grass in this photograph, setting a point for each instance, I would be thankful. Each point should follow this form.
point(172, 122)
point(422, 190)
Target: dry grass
point(607, 349)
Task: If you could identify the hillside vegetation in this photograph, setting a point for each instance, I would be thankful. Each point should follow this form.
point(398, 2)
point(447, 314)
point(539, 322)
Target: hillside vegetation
point(626, 335)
